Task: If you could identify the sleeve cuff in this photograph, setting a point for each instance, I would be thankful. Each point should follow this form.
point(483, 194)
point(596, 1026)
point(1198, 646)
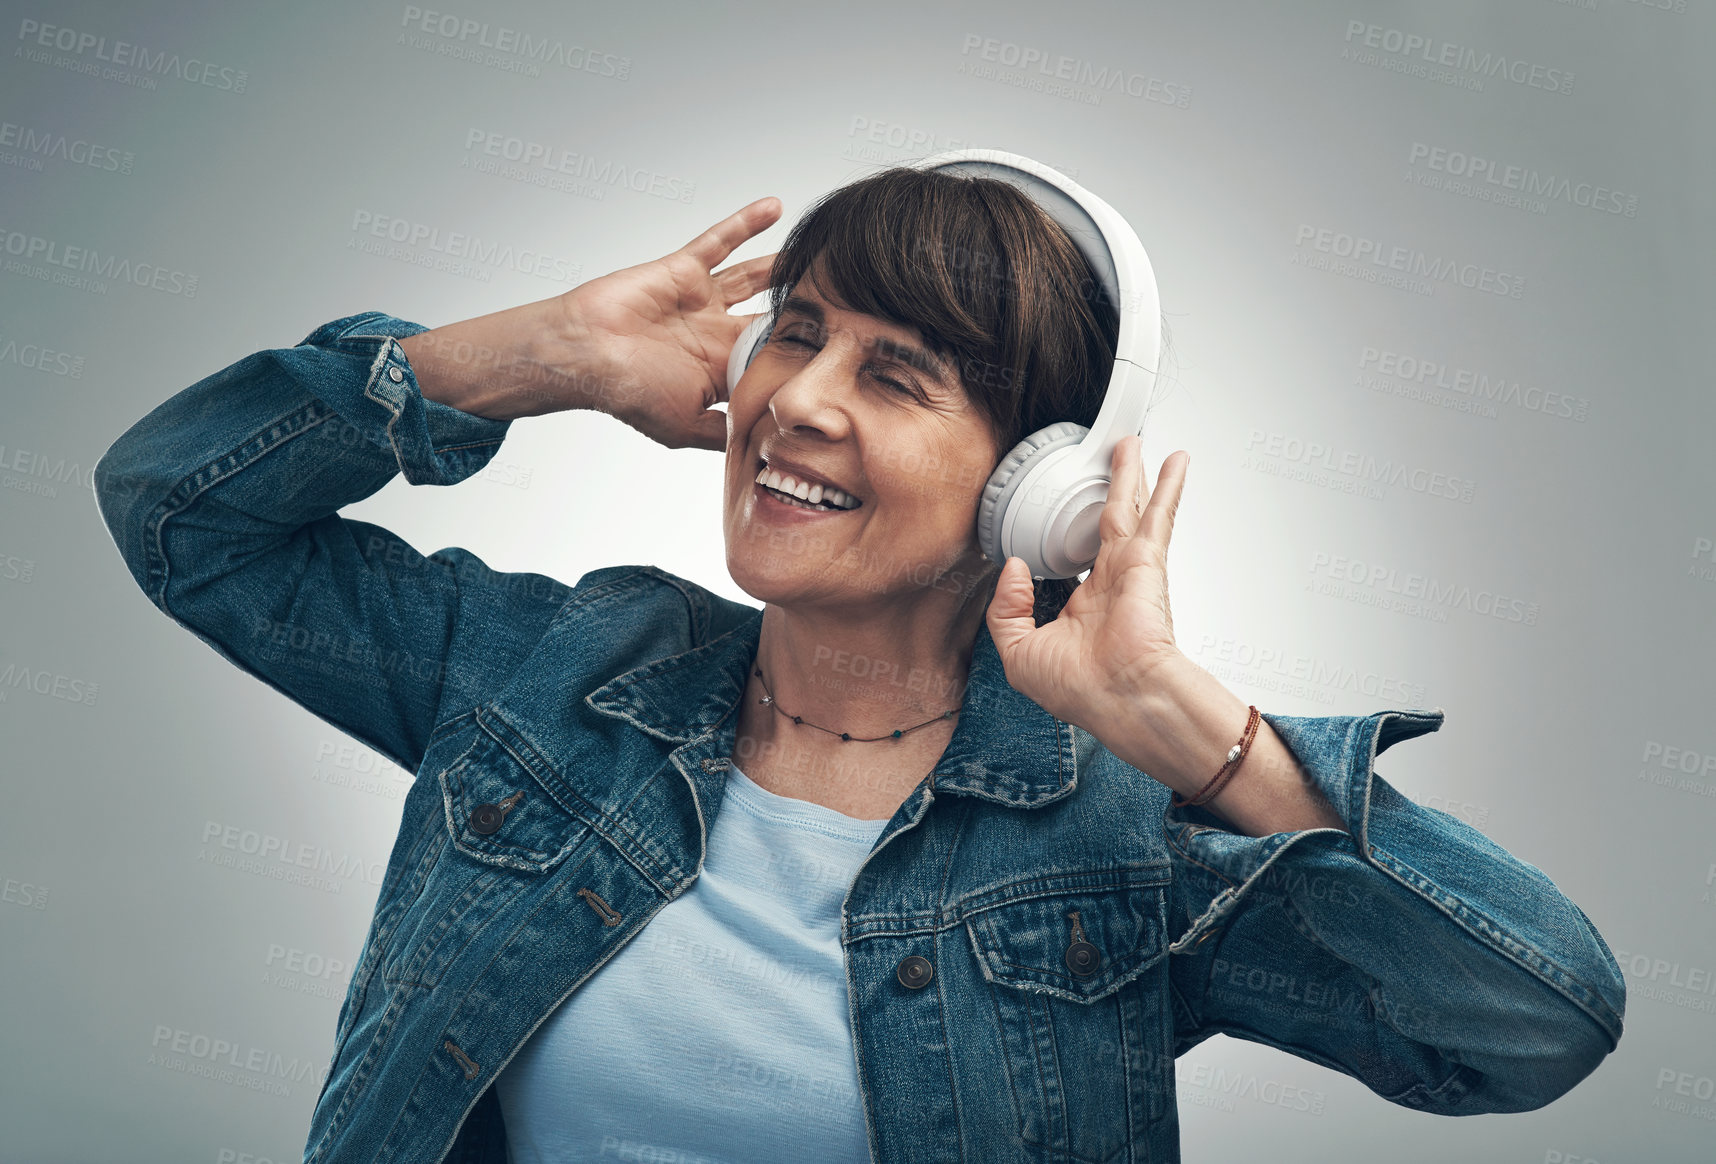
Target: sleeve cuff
point(434, 443)
point(1339, 754)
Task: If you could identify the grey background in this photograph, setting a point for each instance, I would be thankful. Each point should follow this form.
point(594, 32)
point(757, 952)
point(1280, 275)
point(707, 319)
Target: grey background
point(114, 928)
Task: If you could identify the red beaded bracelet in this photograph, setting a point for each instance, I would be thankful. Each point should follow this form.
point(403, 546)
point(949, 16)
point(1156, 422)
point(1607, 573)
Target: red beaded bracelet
point(1235, 756)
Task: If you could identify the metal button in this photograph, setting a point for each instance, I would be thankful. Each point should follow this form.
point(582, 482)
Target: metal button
point(486, 818)
point(395, 375)
point(915, 971)
point(1083, 958)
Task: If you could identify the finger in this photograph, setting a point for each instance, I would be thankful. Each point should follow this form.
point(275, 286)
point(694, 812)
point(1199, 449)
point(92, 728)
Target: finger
point(743, 280)
point(1009, 613)
point(709, 431)
point(1125, 489)
point(715, 244)
point(1157, 522)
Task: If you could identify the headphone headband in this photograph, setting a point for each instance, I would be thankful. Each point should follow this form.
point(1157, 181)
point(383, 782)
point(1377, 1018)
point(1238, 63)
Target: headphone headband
point(1106, 239)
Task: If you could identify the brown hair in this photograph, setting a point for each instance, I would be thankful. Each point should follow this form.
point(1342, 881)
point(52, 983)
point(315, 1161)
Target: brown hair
point(988, 279)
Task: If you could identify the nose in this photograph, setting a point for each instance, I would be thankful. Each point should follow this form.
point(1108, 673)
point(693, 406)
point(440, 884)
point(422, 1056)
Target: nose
point(812, 398)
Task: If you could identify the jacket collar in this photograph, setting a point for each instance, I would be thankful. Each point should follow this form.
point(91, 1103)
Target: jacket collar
point(1004, 747)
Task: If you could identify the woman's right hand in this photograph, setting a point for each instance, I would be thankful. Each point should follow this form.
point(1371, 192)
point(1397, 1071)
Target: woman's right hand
point(647, 345)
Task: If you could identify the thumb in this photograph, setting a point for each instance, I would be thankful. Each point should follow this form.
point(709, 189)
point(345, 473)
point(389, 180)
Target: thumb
point(709, 431)
point(1009, 613)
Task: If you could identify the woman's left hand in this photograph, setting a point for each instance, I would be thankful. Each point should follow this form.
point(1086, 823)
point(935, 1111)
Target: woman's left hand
point(1116, 629)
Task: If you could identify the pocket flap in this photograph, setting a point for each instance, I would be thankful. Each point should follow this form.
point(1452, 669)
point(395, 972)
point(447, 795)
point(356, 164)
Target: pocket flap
point(1021, 932)
point(498, 812)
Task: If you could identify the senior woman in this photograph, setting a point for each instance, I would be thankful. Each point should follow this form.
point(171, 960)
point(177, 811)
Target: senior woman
point(925, 852)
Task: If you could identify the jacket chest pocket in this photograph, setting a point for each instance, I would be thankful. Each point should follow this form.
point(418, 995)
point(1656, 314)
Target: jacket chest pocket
point(1077, 970)
point(501, 835)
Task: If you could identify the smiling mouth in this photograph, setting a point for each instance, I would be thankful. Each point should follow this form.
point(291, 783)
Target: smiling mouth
point(790, 491)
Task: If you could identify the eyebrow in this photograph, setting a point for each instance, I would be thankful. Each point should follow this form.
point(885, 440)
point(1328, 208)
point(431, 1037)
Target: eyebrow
point(910, 354)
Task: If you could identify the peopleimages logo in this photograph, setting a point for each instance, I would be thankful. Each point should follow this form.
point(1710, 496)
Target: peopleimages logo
point(1522, 180)
point(1405, 368)
point(537, 163)
point(85, 267)
point(231, 1061)
point(41, 681)
point(29, 471)
point(16, 569)
point(1359, 466)
point(1402, 48)
point(41, 359)
point(35, 144)
point(474, 35)
point(283, 859)
point(1248, 662)
point(1028, 67)
point(903, 138)
point(871, 139)
point(1390, 581)
point(1706, 547)
point(1658, 976)
point(1245, 1085)
point(475, 252)
point(123, 55)
point(1369, 254)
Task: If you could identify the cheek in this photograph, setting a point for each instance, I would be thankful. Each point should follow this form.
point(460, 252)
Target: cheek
point(746, 400)
point(942, 504)
point(742, 417)
point(963, 480)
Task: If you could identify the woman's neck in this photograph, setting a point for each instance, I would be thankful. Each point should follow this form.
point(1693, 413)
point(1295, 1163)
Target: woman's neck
point(868, 676)
point(862, 678)
point(870, 671)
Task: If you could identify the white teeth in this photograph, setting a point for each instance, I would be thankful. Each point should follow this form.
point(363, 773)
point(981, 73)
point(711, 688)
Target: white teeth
point(813, 494)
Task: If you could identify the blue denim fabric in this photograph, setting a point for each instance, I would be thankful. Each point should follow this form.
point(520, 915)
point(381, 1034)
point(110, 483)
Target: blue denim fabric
point(1410, 952)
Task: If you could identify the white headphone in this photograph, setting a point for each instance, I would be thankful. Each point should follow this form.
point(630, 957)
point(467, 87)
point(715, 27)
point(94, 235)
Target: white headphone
point(1043, 501)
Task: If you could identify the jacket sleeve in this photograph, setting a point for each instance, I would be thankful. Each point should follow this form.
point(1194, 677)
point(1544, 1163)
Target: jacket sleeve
point(223, 503)
point(1410, 952)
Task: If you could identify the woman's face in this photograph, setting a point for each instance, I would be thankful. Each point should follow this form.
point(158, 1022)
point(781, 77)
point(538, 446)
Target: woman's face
point(837, 398)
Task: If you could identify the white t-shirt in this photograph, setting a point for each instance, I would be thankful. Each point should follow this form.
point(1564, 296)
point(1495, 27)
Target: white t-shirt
point(720, 1033)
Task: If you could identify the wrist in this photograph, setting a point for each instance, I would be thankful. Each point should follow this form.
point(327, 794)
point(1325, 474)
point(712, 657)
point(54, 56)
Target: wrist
point(1167, 721)
point(1177, 727)
point(500, 366)
point(564, 364)
point(1120, 706)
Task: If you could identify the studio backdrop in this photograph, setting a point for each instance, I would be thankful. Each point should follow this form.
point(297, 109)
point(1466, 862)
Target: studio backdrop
point(1437, 278)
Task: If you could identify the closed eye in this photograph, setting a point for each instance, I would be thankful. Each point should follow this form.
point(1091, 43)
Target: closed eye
point(904, 389)
point(896, 385)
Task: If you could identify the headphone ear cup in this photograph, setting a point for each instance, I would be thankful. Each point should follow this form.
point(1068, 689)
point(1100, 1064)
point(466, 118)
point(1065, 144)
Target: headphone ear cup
point(755, 335)
point(999, 493)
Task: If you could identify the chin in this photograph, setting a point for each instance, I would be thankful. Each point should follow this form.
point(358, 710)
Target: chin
point(776, 577)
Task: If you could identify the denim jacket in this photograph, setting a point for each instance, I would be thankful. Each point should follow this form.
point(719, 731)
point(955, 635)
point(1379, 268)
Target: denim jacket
point(570, 744)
